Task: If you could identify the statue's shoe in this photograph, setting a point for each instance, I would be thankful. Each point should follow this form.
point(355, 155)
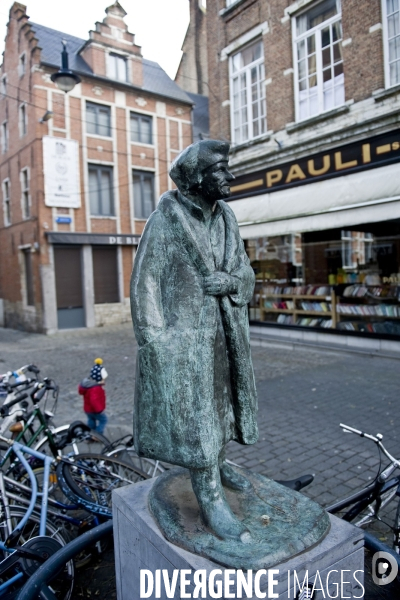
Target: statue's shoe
point(221, 520)
point(232, 479)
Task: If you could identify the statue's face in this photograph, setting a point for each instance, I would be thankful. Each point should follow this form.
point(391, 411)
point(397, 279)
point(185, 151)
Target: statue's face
point(216, 180)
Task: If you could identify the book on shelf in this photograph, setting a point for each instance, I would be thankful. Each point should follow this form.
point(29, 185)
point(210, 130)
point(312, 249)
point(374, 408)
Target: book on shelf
point(298, 290)
point(379, 310)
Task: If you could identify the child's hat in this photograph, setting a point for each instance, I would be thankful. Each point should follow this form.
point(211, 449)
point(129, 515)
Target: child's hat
point(95, 373)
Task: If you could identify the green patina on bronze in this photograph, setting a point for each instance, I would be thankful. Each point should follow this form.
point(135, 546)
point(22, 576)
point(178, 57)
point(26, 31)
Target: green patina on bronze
point(195, 388)
point(282, 523)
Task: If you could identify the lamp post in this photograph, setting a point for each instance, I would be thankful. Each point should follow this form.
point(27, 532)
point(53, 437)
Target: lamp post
point(65, 79)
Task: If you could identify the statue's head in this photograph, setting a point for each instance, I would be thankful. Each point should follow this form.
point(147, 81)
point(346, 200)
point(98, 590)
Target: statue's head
point(202, 169)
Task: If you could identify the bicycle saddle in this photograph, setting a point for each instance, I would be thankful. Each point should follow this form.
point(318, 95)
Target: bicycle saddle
point(297, 484)
point(76, 430)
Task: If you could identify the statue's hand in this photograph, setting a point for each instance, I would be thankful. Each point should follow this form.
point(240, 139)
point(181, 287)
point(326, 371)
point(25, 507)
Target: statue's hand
point(220, 284)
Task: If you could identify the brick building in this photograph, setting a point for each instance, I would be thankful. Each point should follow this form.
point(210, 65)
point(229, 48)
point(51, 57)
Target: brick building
point(308, 92)
point(79, 172)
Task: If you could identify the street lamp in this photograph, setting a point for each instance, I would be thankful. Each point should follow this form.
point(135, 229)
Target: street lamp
point(65, 79)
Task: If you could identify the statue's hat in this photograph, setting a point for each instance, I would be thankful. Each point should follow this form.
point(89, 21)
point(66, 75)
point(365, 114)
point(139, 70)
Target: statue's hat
point(187, 168)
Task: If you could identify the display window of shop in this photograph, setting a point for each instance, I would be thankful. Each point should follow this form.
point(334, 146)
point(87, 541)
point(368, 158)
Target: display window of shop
point(391, 28)
point(248, 105)
point(318, 59)
point(105, 274)
point(339, 279)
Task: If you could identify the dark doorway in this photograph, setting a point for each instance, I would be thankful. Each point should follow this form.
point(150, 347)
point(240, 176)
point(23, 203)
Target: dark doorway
point(105, 274)
point(68, 270)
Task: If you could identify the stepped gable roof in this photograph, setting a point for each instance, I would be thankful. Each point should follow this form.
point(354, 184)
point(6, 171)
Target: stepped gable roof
point(155, 79)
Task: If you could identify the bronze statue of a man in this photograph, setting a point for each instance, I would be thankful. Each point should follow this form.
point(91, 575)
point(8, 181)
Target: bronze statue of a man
point(191, 284)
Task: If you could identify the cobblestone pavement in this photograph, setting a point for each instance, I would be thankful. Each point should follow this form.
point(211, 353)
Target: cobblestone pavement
point(303, 396)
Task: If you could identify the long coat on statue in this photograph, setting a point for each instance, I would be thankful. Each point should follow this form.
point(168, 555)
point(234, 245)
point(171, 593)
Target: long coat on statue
point(195, 387)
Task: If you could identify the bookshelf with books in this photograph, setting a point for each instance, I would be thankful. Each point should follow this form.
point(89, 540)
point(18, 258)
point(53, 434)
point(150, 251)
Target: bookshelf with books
point(369, 308)
point(307, 306)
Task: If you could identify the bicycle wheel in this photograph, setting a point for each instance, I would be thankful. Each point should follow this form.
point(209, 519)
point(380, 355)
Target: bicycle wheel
point(90, 479)
point(88, 442)
point(153, 468)
point(62, 585)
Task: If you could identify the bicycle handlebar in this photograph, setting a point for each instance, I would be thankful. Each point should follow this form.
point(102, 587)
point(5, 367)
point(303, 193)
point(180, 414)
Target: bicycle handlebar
point(377, 439)
point(26, 381)
point(4, 410)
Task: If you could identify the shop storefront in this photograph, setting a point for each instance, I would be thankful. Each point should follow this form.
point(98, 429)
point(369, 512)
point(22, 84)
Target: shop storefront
point(87, 283)
point(323, 236)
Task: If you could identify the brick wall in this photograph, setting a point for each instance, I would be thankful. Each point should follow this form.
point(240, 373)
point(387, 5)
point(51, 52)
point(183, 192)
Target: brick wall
point(363, 56)
point(171, 121)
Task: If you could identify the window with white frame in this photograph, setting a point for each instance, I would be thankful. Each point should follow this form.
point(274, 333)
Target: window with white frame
point(4, 137)
point(143, 194)
point(98, 119)
point(101, 191)
point(22, 64)
point(392, 28)
point(141, 128)
point(117, 67)
point(6, 202)
point(318, 58)
point(248, 106)
point(347, 249)
point(25, 199)
point(22, 120)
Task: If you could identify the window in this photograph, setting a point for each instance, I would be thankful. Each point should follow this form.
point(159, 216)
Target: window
point(100, 191)
point(141, 129)
point(392, 8)
point(22, 65)
point(248, 93)
point(22, 120)
point(347, 250)
point(318, 59)
point(6, 202)
point(25, 194)
point(98, 119)
point(28, 277)
point(368, 241)
point(4, 137)
point(230, 2)
point(143, 194)
point(117, 67)
point(4, 85)
point(105, 274)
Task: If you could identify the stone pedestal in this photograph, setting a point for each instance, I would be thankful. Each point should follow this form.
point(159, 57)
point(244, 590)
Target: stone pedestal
point(139, 545)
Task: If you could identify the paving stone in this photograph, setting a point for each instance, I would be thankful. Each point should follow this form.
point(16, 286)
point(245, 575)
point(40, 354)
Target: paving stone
point(361, 391)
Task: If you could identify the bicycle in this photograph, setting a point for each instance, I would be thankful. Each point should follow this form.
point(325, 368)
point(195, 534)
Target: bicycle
point(86, 479)
point(34, 428)
point(365, 506)
point(124, 450)
point(28, 536)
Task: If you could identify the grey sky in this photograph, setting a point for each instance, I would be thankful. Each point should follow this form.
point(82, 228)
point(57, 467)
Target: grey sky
point(159, 25)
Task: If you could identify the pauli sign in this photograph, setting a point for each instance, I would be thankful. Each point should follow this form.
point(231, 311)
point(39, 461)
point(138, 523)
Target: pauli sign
point(368, 153)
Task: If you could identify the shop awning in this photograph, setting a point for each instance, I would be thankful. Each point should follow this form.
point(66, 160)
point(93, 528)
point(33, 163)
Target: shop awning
point(363, 197)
